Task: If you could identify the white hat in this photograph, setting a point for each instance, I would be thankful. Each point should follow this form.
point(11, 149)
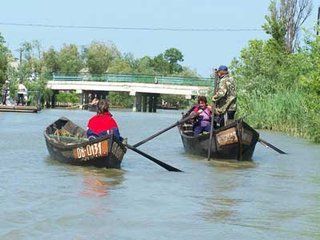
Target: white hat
point(7, 81)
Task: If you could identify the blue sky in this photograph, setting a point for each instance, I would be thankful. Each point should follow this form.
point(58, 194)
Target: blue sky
point(202, 50)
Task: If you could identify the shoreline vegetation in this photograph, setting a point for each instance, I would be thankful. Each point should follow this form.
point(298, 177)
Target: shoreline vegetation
point(278, 79)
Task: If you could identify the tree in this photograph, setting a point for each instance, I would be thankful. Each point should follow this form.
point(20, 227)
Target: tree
point(51, 61)
point(285, 21)
point(144, 66)
point(30, 60)
point(4, 54)
point(69, 60)
point(173, 56)
point(160, 65)
point(120, 65)
point(98, 57)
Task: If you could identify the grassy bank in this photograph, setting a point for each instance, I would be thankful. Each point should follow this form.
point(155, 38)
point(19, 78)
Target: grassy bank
point(286, 111)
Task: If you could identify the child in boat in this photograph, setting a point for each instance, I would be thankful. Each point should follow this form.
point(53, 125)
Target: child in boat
point(102, 123)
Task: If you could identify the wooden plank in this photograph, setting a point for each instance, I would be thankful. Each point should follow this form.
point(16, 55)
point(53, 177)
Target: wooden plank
point(227, 137)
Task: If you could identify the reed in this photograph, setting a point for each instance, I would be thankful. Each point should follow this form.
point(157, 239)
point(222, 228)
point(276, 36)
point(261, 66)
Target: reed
point(285, 111)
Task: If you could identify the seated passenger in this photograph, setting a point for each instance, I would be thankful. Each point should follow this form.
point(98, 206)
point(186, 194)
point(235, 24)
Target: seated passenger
point(94, 101)
point(203, 111)
point(102, 123)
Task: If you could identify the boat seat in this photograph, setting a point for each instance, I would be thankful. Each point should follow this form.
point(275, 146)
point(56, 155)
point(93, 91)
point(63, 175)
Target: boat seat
point(187, 127)
point(74, 130)
point(68, 139)
point(188, 132)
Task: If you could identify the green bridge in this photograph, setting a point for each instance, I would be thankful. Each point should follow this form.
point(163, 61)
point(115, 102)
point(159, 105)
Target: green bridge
point(137, 78)
point(145, 88)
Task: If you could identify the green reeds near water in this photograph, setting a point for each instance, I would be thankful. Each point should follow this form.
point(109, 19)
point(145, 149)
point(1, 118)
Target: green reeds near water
point(286, 111)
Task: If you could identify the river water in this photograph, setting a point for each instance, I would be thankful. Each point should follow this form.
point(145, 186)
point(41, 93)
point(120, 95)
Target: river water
point(274, 197)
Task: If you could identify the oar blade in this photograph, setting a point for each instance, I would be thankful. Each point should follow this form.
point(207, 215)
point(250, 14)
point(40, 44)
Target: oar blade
point(265, 143)
point(160, 163)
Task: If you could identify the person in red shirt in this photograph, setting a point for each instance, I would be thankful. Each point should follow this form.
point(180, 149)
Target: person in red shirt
point(102, 123)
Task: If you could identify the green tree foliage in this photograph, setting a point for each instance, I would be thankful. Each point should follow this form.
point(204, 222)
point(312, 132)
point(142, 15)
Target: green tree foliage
point(145, 66)
point(4, 55)
point(285, 20)
point(30, 59)
point(275, 26)
point(51, 61)
point(167, 63)
point(279, 89)
point(120, 65)
point(98, 57)
point(68, 98)
point(120, 99)
point(173, 56)
point(69, 60)
point(160, 65)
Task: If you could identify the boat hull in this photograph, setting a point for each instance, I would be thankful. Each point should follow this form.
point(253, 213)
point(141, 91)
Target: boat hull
point(75, 149)
point(22, 109)
point(235, 141)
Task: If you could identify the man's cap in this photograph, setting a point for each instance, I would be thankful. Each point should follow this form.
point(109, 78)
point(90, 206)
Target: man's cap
point(223, 68)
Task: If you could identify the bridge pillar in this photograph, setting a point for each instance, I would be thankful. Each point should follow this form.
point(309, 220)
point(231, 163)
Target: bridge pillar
point(150, 103)
point(136, 101)
point(153, 99)
point(53, 99)
point(144, 102)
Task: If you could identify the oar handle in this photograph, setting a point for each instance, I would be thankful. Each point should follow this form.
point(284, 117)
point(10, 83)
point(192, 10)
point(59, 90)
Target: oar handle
point(162, 131)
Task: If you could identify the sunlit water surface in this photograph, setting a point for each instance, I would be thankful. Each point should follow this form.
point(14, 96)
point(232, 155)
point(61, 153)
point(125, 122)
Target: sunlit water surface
point(274, 197)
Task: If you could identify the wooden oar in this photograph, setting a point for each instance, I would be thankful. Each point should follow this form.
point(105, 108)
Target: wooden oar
point(211, 130)
point(160, 163)
point(164, 130)
point(213, 107)
point(269, 145)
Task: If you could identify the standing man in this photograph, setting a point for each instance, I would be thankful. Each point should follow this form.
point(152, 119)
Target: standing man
point(225, 97)
point(22, 91)
point(5, 90)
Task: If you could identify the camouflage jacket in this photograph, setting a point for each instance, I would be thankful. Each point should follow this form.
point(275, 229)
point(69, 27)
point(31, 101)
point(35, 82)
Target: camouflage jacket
point(225, 97)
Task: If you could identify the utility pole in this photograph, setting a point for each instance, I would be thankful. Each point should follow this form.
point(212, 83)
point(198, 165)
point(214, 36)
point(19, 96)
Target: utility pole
point(20, 55)
point(318, 22)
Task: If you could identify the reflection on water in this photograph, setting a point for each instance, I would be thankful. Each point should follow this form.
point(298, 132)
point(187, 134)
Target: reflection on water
point(96, 182)
point(230, 164)
point(99, 183)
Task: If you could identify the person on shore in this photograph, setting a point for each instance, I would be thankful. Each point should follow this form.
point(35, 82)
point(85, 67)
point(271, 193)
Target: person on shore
point(225, 98)
point(103, 124)
point(5, 91)
point(202, 113)
point(22, 93)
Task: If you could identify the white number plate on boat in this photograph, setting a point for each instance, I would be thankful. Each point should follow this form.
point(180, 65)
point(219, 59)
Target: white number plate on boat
point(99, 149)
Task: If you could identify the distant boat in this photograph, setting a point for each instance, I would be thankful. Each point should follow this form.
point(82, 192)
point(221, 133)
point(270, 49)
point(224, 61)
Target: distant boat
point(19, 108)
point(235, 141)
point(67, 143)
point(92, 107)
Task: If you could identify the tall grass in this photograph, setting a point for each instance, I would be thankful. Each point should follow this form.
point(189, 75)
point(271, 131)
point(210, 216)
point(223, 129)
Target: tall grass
point(285, 111)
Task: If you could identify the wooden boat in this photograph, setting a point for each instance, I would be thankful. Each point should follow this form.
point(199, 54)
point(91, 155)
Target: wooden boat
point(234, 141)
point(67, 143)
point(22, 109)
point(92, 107)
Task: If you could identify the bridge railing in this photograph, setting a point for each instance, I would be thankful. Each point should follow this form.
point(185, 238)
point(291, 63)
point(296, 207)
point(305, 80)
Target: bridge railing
point(136, 78)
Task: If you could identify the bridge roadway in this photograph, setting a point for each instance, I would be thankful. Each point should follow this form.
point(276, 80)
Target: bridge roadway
point(145, 88)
